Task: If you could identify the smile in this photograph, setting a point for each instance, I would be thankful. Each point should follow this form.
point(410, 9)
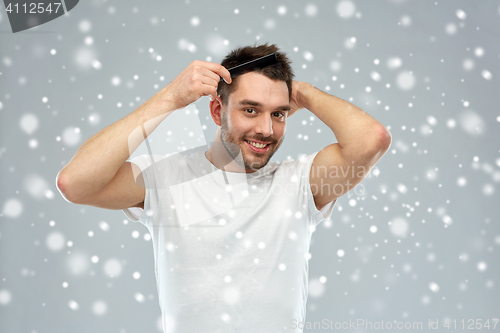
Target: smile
point(258, 147)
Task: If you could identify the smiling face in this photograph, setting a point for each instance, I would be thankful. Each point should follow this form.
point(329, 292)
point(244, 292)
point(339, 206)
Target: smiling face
point(253, 120)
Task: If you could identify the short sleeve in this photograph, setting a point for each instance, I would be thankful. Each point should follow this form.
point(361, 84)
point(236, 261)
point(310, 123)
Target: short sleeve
point(149, 170)
point(316, 216)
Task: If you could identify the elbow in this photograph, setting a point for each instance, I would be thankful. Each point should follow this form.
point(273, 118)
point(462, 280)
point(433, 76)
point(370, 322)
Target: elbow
point(64, 188)
point(380, 142)
point(384, 139)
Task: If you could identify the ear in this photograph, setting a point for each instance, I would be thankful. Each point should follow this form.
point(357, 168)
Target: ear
point(215, 110)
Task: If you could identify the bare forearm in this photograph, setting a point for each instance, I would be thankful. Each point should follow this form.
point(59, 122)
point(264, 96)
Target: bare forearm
point(356, 131)
point(99, 158)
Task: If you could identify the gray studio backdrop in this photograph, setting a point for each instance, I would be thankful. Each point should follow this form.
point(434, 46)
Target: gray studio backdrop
point(418, 242)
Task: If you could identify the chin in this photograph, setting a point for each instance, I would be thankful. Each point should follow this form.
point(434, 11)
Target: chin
point(256, 163)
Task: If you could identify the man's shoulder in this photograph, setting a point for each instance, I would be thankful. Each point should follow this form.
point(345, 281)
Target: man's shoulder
point(302, 159)
point(185, 157)
point(298, 167)
point(160, 163)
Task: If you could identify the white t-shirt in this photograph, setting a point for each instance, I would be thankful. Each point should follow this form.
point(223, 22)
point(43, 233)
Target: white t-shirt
point(230, 248)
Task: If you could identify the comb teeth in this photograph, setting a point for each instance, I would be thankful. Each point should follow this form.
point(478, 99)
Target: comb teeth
point(256, 63)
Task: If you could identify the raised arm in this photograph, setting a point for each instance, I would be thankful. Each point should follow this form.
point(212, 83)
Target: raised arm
point(98, 174)
point(362, 141)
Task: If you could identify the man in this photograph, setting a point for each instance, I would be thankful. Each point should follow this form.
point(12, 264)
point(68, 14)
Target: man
point(230, 230)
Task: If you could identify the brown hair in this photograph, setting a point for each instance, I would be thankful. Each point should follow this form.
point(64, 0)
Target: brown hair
point(281, 70)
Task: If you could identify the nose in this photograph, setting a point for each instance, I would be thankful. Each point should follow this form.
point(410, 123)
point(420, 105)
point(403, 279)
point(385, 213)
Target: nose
point(264, 125)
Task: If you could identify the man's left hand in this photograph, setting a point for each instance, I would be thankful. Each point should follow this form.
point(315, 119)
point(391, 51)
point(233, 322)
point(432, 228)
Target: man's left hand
point(297, 100)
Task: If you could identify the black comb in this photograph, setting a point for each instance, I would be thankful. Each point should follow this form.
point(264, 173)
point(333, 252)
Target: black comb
point(257, 63)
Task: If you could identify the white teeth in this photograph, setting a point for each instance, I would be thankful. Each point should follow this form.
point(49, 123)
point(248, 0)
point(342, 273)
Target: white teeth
point(258, 145)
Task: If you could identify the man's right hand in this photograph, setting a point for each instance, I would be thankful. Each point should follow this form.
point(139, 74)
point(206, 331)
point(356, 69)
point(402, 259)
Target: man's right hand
point(200, 78)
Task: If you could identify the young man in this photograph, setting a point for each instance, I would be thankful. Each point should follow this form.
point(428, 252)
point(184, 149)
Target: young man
point(230, 230)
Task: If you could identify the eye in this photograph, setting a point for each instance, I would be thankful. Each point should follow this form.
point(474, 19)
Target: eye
point(279, 114)
point(250, 111)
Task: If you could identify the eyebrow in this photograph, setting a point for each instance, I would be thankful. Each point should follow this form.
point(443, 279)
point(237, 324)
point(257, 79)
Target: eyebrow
point(257, 104)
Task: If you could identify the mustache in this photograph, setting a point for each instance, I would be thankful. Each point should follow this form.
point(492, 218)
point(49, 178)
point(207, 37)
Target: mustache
point(262, 139)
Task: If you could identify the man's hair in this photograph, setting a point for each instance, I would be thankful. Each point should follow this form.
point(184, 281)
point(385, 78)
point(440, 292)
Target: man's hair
point(281, 70)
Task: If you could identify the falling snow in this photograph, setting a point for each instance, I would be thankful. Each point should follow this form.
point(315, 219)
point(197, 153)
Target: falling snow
point(346, 9)
point(422, 238)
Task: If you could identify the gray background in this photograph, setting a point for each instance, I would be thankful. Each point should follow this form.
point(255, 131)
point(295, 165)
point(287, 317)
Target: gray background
point(433, 197)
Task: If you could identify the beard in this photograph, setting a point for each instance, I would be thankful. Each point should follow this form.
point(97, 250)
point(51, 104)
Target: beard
point(234, 147)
